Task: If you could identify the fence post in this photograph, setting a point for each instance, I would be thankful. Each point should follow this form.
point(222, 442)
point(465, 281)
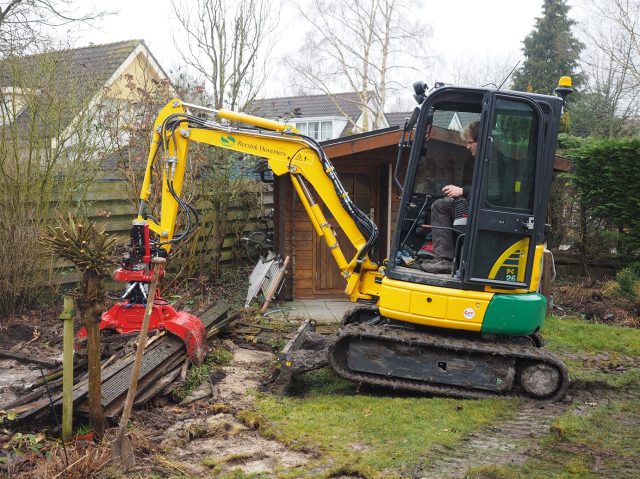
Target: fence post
point(67, 369)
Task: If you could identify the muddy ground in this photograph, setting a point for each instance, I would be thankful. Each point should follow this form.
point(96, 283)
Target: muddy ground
point(33, 333)
point(213, 430)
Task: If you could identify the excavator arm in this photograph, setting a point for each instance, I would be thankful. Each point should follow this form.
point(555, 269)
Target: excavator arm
point(287, 152)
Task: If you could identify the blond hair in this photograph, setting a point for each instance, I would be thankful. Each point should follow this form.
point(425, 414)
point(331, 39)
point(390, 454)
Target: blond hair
point(470, 132)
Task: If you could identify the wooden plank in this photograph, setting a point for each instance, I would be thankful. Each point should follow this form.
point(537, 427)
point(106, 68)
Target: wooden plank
point(29, 359)
point(304, 255)
point(304, 240)
point(562, 164)
point(306, 273)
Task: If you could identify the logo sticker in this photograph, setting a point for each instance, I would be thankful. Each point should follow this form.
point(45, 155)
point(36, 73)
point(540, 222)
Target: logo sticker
point(469, 313)
point(228, 139)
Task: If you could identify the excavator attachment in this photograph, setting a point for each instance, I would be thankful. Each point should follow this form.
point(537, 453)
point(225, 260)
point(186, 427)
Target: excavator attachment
point(305, 351)
point(126, 315)
point(124, 318)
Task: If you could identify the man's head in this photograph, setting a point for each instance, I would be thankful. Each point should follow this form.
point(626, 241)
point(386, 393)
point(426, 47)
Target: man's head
point(470, 136)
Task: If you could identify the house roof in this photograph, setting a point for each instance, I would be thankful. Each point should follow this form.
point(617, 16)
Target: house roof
point(95, 63)
point(308, 106)
point(397, 118)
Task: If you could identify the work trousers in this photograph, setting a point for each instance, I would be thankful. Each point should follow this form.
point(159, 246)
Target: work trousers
point(442, 214)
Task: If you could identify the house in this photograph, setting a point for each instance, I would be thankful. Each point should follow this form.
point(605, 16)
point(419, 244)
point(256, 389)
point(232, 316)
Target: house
point(322, 117)
point(62, 97)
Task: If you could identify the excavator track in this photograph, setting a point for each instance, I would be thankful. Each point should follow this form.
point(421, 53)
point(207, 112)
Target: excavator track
point(379, 349)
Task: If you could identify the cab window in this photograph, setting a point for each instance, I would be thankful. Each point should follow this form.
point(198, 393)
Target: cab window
point(512, 157)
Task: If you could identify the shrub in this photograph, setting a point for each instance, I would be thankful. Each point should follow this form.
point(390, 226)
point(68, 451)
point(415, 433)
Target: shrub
point(628, 280)
point(607, 179)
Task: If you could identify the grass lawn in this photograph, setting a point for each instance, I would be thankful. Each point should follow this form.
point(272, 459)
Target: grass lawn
point(602, 444)
point(371, 434)
point(376, 434)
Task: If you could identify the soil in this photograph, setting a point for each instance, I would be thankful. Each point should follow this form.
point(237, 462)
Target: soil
point(36, 333)
point(216, 431)
point(578, 297)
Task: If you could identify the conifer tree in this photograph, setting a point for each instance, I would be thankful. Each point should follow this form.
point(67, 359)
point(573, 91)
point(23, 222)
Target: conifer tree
point(551, 51)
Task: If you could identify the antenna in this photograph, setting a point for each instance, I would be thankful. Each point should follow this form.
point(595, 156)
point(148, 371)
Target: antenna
point(509, 75)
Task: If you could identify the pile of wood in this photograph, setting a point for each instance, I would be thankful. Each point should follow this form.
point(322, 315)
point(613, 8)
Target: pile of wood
point(164, 367)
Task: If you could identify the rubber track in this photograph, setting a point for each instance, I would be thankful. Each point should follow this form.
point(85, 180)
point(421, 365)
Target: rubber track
point(425, 339)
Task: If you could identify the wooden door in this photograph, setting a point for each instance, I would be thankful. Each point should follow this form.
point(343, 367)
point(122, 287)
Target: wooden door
point(361, 183)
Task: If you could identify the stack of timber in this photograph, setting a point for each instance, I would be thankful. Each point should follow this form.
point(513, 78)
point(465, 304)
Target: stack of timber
point(164, 367)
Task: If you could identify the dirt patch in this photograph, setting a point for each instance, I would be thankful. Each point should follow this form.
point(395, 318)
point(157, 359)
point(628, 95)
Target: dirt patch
point(212, 433)
point(36, 334)
point(605, 362)
point(40, 328)
point(590, 300)
point(220, 442)
point(15, 378)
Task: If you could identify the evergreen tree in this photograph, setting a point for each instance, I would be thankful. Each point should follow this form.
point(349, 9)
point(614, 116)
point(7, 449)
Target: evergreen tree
point(550, 51)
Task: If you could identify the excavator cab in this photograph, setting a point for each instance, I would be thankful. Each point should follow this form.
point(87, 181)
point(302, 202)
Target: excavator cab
point(499, 228)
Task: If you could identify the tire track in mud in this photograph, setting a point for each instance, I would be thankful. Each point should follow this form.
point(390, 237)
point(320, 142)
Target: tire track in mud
point(512, 441)
point(508, 442)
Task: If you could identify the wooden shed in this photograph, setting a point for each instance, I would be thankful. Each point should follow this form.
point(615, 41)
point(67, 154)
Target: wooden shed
point(365, 164)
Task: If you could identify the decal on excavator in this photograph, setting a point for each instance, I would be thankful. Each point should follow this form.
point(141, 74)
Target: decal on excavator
point(511, 265)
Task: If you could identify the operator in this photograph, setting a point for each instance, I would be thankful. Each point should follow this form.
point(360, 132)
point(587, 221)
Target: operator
point(443, 213)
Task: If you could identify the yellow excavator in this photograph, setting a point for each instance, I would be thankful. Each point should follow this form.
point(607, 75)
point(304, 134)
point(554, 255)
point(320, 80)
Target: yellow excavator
point(469, 332)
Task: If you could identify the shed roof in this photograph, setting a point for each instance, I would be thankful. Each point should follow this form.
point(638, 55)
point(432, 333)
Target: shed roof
point(342, 147)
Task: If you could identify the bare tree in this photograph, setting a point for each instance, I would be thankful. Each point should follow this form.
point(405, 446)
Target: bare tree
point(228, 45)
point(362, 45)
point(47, 154)
point(612, 61)
point(490, 70)
point(25, 24)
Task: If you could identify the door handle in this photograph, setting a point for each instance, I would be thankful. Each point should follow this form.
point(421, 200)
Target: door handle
point(529, 224)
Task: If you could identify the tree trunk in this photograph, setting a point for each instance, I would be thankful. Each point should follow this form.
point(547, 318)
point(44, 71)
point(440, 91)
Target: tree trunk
point(91, 309)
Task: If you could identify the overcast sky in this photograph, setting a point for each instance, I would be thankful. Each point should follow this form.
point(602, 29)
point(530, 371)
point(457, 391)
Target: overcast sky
point(462, 29)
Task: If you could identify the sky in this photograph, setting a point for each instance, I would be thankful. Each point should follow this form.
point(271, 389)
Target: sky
point(463, 31)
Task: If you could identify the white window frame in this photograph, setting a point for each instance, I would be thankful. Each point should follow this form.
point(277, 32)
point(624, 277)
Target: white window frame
point(322, 129)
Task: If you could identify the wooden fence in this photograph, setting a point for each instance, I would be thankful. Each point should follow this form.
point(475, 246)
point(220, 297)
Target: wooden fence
point(108, 203)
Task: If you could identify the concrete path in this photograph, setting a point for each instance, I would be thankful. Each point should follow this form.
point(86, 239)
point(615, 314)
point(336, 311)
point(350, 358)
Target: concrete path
point(330, 310)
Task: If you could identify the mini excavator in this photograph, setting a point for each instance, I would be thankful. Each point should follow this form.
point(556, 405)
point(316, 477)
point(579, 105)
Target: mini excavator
point(473, 332)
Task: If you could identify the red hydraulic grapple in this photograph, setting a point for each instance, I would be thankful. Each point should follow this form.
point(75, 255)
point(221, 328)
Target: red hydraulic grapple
point(126, 316)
